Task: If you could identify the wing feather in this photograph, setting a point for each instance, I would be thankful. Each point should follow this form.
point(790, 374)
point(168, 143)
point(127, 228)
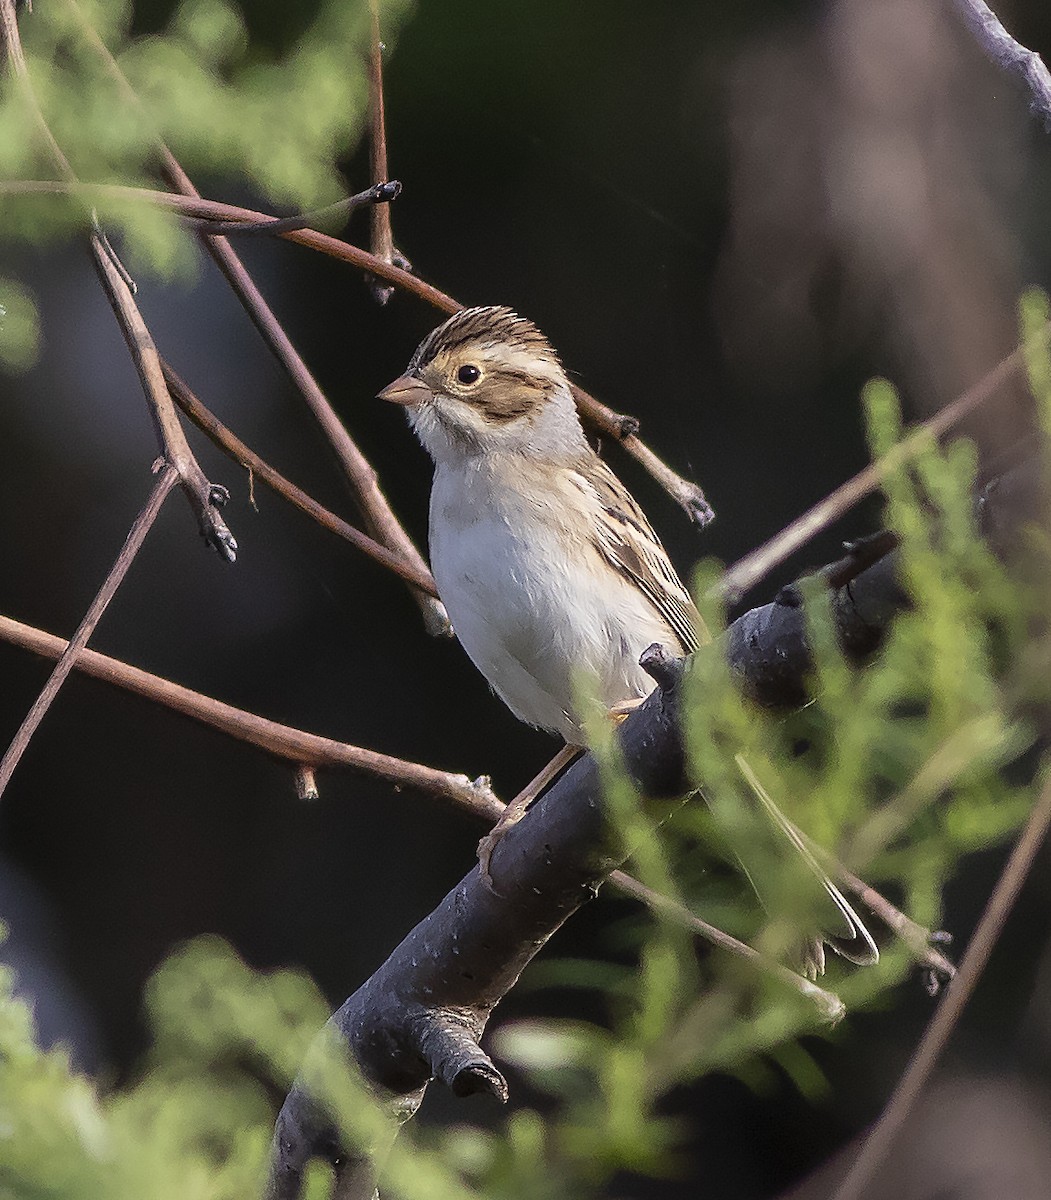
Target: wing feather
point(626, 540)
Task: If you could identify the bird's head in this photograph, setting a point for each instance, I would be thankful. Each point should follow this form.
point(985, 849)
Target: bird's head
point(487, 380)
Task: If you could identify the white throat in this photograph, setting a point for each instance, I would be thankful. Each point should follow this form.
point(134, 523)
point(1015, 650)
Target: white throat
point(453, 434)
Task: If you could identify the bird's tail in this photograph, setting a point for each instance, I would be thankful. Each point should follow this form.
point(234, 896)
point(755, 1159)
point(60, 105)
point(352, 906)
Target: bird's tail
point(845, 932)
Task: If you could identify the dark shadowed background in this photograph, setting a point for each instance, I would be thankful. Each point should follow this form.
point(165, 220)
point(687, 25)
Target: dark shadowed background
point(726, 218)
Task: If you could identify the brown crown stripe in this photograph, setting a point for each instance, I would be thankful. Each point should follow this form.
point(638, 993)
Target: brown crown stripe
point(490, 325)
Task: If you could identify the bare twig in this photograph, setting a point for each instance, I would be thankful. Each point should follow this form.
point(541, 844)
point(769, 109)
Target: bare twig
point(204, 498)
point(360, 475)
point(382, 241)
point(921, 942)
point(294, 746)
point(828, 1003)
point(957, 994)
point(748, 571)
point(166, 480)
point(381, 193)
point(689, 496)
point(1010, 55)
point(228, 441)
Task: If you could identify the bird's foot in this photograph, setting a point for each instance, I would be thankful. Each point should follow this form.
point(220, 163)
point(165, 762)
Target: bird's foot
point(624, 708)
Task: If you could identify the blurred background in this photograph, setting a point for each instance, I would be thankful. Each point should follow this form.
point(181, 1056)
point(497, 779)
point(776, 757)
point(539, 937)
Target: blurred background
point(726, 218)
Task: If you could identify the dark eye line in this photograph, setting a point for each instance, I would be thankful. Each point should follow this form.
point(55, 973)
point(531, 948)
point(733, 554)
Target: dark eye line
point(468, 374)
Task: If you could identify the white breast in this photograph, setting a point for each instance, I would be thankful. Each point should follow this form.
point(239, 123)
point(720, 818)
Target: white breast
point(533, 604)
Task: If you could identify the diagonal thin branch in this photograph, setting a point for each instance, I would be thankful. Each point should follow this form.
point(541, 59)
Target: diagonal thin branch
point(937, 1034)
point(1010, 55)
point(757, 564)
point(204, 499)
point(166, 480)
point(284, 742)
point(829, 1005)
point(228, 441)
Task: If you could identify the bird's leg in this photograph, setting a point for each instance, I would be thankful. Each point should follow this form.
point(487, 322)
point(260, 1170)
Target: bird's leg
point(516, 810)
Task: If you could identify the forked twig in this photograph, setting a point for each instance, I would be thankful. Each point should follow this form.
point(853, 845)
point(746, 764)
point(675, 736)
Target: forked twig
point(957, 994)
point(204, 498)
point(67, 660)
point(229, 442)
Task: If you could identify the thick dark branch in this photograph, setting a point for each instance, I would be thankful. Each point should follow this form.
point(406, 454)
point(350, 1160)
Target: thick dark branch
point(1010, 56)
point(767, 646)
point(307, 752)
point(421, 1015)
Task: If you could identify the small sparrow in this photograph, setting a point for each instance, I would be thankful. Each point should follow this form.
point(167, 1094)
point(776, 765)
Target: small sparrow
point(547, 566)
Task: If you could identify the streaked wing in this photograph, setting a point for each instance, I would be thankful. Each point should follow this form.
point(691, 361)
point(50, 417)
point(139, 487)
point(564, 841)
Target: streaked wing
point(626, 540)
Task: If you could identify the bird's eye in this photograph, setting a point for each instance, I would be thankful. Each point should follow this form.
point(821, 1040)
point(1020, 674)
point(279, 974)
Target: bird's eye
point(468, 373)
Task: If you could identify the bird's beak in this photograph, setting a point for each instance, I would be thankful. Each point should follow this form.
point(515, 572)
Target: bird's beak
point(406, 389)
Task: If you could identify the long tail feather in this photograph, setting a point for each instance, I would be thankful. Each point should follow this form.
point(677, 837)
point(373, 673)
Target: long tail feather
point(852, 941)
